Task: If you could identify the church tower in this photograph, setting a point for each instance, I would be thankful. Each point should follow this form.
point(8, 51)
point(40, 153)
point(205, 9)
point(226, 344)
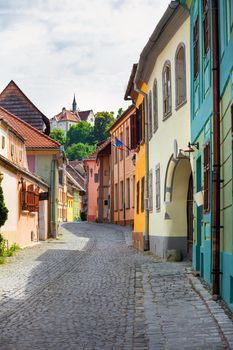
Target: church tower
point(74, 105)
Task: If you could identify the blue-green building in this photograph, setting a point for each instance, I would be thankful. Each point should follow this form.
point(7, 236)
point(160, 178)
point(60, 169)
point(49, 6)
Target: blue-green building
point(202, 138)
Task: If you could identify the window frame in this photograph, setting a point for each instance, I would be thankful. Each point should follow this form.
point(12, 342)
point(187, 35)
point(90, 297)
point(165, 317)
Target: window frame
point(179, 102)
point(196, 48)
point(155, 106)
point(206, 26)
point(167, 91)
point(158, 188)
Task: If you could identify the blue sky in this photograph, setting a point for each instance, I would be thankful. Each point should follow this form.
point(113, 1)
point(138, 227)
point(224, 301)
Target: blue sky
point(55, 48)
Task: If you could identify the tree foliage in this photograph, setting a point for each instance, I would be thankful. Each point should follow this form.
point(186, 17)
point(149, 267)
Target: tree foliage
point(80, 133)
point(3, 208)
point(58, 135)
point(79, 151)
point(120, 112)
point(103, 121)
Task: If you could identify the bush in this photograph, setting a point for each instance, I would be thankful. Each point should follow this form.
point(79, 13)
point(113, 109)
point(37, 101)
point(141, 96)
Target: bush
point(4, 252)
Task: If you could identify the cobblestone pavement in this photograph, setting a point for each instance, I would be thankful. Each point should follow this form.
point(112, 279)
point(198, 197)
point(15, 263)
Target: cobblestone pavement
point(91, 290)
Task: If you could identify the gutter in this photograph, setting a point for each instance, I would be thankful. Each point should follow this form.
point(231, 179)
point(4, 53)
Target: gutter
point(216, 154)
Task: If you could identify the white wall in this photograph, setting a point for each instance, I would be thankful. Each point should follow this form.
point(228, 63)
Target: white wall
point(177, 126)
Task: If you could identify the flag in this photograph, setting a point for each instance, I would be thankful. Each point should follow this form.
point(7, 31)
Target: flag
point(118, 143)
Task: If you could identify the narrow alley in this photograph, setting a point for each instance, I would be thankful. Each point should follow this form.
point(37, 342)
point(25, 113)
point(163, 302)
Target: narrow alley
point(91, 290)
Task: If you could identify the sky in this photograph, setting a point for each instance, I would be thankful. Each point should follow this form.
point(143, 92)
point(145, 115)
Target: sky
point(54, 49)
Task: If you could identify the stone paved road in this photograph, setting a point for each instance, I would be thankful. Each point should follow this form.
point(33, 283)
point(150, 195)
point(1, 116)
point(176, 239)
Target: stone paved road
point(90, 290)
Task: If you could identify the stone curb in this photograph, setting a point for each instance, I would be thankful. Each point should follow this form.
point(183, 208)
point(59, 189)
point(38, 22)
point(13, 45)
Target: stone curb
point(223, 322)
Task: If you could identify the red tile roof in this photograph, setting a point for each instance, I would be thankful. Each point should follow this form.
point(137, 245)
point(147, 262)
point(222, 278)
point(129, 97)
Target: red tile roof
point(66, 115)
point(15, 101)
point(34, 139)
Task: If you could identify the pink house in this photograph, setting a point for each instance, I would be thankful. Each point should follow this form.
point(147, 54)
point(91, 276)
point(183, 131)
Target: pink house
point(26, 195)
point(92, 183)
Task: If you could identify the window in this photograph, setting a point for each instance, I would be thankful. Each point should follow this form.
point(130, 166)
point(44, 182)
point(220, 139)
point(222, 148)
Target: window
point(157, 185)
point(205, 25)
point(3, 142)
point(180, 75)
point(121, 149)
point(195, 48)
point(115, 155)
point(167, 98)
point(133, 204)
point(206, 177)
point(121, 195)
point(155, 105)
point(142, 194)
point(138, 193)
point(150, 204)
point(150, 115)
point(128, 193)
point(20, 155)
point(127, 141)
point(29, 198)
point(116, 197)
point(96, 177)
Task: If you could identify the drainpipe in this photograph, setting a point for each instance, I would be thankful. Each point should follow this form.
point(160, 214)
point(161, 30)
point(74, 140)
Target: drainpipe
point(146, 229)
point(216, 154)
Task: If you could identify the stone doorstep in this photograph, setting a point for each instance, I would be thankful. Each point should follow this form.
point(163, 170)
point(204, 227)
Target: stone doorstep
point(218, 313)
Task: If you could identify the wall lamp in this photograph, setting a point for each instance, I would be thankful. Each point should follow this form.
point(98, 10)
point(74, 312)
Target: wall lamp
point(21, 180)
point(190, 147)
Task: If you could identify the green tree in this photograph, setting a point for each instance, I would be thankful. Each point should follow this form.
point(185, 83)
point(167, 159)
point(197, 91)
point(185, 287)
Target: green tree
point(79, 151)
point(80, 133)
point(58, 135)
point(120, 112)
point(103, 121)
point(3, 208)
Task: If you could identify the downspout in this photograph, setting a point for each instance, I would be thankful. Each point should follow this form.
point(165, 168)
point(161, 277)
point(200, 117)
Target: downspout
point(146, 238)
point(216, 154)
point(52, 201)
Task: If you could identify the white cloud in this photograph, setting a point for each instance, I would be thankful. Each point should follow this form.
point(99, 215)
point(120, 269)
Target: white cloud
point(52, 49)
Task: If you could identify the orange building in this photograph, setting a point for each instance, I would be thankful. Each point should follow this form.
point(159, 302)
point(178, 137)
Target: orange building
point(123, 170)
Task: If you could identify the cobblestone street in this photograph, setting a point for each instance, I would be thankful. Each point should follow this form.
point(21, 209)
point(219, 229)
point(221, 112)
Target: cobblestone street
point(91, 290)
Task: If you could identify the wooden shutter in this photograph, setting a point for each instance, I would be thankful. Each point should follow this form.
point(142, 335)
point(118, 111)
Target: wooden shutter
point(142, 194)
point(36, 194)
point(133, 137)
point(205, 26)
point(24, 196)
point(30, 198)
point(195, 48)
point(151, 190)
point(138, 193)
point(207, 177)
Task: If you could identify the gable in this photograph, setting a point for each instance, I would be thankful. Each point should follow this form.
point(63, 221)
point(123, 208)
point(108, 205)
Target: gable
point(14, 100)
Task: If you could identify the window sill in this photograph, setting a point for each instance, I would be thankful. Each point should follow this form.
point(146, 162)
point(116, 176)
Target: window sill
point(181, 104)
point(168, 115)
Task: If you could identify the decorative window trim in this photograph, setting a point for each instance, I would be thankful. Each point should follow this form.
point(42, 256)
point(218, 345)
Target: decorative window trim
point(206, 186)
point(183, 102)
point(167, 114)
point(155, 106)
point(157, 188)
point(196, 48)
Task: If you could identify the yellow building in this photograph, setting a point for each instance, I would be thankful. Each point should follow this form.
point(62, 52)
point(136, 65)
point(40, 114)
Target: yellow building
point(70, 209)
point(140, 236)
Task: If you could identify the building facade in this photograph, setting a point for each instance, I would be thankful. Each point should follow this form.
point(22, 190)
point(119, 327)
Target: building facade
point(92, 183)
point(123, 169)
point(104, 189)
point(163, 68)
point(27, 220)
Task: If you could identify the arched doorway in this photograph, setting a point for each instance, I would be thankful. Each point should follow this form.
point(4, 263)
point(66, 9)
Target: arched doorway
point(178, 196)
